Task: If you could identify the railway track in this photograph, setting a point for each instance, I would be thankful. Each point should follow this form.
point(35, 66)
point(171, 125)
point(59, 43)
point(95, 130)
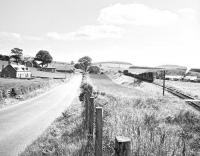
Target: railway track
point(188, 99)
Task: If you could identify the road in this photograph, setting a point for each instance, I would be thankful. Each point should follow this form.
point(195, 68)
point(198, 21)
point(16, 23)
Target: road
point(21, 124)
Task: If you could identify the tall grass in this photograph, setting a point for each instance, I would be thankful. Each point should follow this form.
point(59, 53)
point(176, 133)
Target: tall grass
point(152, 133)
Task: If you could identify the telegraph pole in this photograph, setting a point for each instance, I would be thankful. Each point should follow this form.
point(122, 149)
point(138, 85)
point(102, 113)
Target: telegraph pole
point(163, 82)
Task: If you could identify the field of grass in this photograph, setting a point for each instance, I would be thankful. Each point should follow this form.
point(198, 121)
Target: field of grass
point(36, 73)
point(190, 88)
point(65, 137)
point(157, 125)
point(126, 87)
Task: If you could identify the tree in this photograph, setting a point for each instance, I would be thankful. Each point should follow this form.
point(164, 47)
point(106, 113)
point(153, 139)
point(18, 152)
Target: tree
point(44, 57)
point(4, 57)
point(83, 63)
point(17, 54)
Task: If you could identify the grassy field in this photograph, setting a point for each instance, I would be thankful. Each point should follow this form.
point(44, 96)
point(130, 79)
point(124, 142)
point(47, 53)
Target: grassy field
point(36, 73)
point(126, 87)
point(157, 126)
point(190, 88)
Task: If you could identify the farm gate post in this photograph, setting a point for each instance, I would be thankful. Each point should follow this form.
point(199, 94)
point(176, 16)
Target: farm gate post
point(122, 146)
point(99, 131)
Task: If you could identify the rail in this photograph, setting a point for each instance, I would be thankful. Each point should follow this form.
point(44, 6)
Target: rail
point(188, 99)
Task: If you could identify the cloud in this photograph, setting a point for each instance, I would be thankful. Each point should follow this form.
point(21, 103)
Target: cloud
point(89, 32)
point(8, 36)
point(136, 14)
point(33, 38)
point(16, 37)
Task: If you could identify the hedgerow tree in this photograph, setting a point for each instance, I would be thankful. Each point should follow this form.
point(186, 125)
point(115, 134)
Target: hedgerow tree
point(83, 63)
point(17, 54)
point(43, 56)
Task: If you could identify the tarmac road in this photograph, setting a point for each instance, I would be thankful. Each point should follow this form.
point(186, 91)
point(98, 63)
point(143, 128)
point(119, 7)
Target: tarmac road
point(22, 123)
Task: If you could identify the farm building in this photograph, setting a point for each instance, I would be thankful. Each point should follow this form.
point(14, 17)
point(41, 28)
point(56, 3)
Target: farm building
point(16, 71)
point(49, 68)
point(173, 77)
point(3, 64)
point(191, 78)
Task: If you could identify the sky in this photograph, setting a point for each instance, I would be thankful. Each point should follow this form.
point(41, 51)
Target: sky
point(142, 32)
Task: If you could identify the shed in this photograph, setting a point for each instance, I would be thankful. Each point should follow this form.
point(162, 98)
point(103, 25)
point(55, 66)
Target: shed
point(49, 68)
point(190, 78)
point(16, 71)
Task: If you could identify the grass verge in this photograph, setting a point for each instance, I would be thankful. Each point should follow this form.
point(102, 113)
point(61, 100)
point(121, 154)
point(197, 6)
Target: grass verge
point(65, 137)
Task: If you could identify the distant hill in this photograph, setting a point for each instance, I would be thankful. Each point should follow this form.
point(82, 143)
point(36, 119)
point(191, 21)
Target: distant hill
point(195, 70)
point(172, 67)
point(143, 67)
point(112, 62)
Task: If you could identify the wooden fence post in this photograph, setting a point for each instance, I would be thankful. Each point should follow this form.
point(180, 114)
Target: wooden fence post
point(86, 110)
point(99, 131)
point(122, 146)
point(91, 116)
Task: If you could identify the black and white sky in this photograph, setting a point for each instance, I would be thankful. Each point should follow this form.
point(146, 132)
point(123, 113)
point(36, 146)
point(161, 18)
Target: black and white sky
point(143, 32)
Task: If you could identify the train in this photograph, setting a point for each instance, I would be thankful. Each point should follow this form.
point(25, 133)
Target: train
point(144, 76)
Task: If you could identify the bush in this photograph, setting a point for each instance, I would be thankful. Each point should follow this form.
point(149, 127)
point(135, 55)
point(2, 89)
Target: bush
point(94, 70)
point(85, 89)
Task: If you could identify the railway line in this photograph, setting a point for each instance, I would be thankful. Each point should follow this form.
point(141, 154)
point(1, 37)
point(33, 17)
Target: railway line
point(188, 99)
point(148, 77)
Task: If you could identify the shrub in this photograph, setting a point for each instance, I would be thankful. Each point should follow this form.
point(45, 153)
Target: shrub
point(94, 70)
point(86, 88)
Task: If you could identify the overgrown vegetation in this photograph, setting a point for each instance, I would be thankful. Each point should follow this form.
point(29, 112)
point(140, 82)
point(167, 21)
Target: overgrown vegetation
point(162, 126)
point(153, 129)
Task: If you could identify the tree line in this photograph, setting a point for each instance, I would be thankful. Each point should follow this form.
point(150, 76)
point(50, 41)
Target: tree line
point(43, 56)
point(16, 56)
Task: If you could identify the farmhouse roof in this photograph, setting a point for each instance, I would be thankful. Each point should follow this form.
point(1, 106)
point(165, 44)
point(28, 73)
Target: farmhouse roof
point(20, 68)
